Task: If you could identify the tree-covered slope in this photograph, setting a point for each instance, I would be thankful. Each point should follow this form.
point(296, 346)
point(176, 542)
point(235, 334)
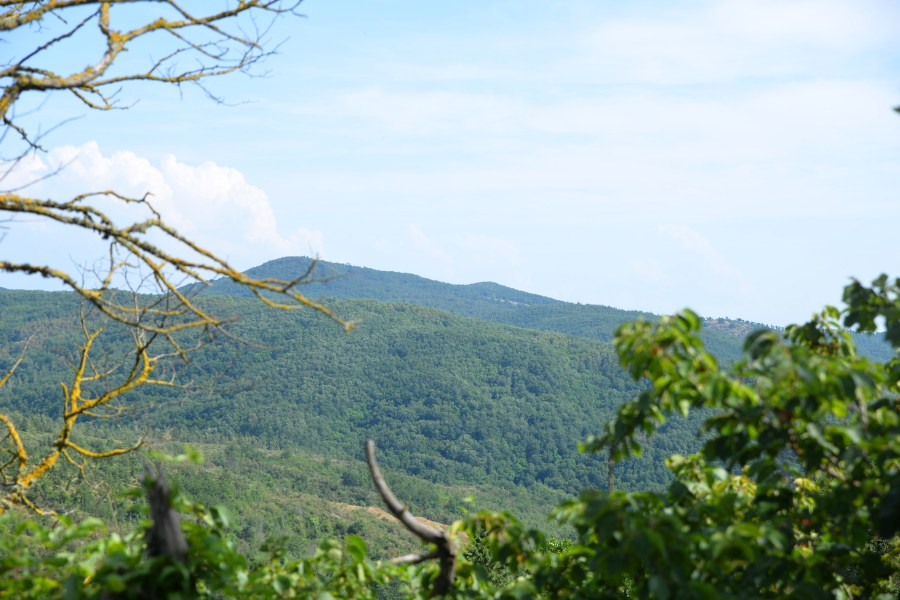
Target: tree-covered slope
point(335, 280)
point(486, 300)
point(496, 303)
point(449, 398)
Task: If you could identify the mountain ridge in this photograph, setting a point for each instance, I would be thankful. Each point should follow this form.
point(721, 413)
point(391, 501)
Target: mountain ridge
point(494, 302)
point(331, 279)
point(487, 301)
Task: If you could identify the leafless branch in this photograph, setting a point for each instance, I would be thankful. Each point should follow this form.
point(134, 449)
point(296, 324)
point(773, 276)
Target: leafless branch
point(445, 551)
point(141, 285)
point(164, 536)
point(99, 386)
point(164, 266)
point(205, 42)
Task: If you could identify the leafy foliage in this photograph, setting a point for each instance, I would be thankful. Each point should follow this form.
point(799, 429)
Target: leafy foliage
point(794, 493)
point(83, 560)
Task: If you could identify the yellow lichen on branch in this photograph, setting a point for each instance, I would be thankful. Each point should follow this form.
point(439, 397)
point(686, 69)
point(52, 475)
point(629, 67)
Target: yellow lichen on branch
point(217, 41)
point(143, 284)
point(164, 267)
point(18, 474)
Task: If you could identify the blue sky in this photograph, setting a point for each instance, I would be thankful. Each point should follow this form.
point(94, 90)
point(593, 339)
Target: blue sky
point(737, 157)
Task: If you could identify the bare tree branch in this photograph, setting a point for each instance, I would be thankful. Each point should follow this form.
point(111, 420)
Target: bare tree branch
point(141, 284)
point(194, 44)
point(445, 552)
point(164, 266)
point(164, 536)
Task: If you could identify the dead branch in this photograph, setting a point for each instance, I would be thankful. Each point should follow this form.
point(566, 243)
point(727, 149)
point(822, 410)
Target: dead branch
point(142, 284)
point(445, 551)
point(80, 398)
point(164, 536)
point(164, 267)
point(194, 41)
point(214, 42)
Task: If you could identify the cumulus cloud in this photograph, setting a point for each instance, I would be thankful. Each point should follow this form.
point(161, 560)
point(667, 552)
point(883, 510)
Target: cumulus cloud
point(211, 204)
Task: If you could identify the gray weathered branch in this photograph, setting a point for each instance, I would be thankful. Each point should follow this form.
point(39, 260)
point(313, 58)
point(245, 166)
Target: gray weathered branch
point(164, 536)
point(445, 551)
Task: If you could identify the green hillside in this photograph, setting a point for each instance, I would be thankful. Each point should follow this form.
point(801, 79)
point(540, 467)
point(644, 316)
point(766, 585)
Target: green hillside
point(494, 302)
point(458, 406)
point(492, 405)
point(487, 301)
point(450, 398)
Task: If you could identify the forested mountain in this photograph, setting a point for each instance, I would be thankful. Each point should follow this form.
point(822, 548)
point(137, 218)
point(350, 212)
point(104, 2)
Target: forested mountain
point(336, 280)
point(488, 301)
point(467, 389)
point(491, 302)
point(449, 398)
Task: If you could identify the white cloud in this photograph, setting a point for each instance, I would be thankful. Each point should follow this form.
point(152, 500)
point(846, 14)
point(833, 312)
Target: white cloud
point(212, 205)
point(22, 173)
point(767, 152)
point(553, 144)
point(213, 200)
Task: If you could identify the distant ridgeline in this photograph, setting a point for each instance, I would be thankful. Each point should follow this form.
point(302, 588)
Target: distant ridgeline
point(342, 281)
point(487, 301)
point(459, 384)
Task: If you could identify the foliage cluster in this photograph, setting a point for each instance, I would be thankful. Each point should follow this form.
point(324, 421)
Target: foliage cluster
point(302, 497)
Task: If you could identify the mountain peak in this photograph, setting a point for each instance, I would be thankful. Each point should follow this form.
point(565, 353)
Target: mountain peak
point(341, 280)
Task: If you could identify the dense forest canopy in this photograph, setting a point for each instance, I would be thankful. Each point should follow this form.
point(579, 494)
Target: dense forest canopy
point(472, 401)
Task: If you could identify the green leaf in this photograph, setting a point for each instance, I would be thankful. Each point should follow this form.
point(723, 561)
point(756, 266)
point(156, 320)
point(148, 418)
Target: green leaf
point(356, 547)
point(815, 432)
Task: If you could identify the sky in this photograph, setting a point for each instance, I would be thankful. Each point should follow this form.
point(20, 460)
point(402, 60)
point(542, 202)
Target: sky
point(741, 158)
